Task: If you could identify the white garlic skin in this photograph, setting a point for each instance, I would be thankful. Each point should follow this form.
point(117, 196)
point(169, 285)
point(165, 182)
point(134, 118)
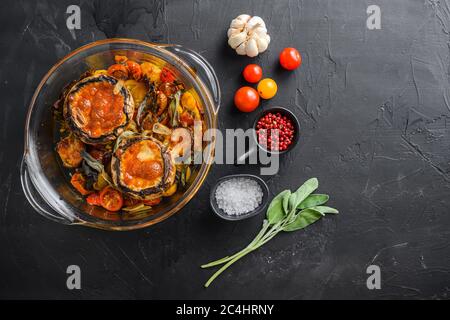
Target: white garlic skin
point(241, 50)
point(262, 44)
point(248, 35)
point(236, 39)
point(251, 48)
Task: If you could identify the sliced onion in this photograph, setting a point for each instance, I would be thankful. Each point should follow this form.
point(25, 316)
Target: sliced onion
point(119, 85)
point(159, 128)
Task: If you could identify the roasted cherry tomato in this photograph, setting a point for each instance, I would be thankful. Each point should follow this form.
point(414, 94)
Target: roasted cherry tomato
point(168, 88)
point(290, 58)
point(152, 202)
point(267, 88)
point(246, 99)
point(134, 69)
point(94, 199)
point(111, 199)
point(186, 119)
point(120, 59)
point(167, 75)
point(118, 71)
point(78, 181)
point(252, 73)
point(130, 202)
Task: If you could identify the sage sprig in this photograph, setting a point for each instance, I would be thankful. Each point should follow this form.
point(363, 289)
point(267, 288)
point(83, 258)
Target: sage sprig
point(288, 211)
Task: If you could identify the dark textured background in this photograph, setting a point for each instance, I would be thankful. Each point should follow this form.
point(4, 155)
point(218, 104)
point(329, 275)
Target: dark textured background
point(373, 106)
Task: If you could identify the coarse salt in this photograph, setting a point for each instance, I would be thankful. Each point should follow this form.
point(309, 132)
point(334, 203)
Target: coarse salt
point(237, 196)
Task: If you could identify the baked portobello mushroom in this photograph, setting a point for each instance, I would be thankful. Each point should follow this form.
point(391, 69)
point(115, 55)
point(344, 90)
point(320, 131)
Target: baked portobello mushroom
point(98, 109)
point(142, 167)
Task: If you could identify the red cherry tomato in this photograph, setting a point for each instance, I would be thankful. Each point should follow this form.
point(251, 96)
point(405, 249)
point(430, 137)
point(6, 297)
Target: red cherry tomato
point(94, 199)
point(152, 202)
point(246, 99)
point(134, 69)
point(290, 58)
point(111, 199)
point(118, 71)
point(167, 75)
point(78, 181)
point(186, 119)
point(252, 73)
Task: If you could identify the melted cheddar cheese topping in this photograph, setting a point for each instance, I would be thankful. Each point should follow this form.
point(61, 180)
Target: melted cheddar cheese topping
point(142, 165)
point(96, 109)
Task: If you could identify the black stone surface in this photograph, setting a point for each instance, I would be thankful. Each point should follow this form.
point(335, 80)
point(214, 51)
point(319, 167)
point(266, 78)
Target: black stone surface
point(373, 105)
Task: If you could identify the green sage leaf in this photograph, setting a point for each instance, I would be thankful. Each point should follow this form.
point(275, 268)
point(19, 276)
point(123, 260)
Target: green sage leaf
point(173, 109)
point(313, 200)
point(303, 219)
point(286, 198)
point(305, 190)
point(292, 202)
point(91, 162)
point(275, 210)
point(325, 210)
point(140, 110)
point(97, 166)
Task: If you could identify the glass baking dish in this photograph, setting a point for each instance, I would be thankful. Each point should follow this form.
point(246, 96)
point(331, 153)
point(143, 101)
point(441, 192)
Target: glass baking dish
point(43, 180)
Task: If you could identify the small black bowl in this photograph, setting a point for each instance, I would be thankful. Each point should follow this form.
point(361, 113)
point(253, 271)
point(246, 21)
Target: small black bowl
point(259, 209)
point(284, 112)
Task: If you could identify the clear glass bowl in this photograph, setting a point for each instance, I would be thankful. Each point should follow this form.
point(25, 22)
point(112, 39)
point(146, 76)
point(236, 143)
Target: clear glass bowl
point(43, 180)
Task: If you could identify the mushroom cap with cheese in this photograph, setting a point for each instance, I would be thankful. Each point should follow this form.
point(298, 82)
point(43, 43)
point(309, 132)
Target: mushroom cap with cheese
point(142, 167)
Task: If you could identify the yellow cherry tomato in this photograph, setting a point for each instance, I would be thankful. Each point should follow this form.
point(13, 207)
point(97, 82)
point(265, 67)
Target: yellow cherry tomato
point(267, 88)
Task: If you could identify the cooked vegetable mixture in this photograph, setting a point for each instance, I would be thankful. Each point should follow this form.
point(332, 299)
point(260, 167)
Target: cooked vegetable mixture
point(122, 131)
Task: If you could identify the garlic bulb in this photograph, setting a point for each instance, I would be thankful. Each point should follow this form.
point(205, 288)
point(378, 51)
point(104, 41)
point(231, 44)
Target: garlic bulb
point(248, 35)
